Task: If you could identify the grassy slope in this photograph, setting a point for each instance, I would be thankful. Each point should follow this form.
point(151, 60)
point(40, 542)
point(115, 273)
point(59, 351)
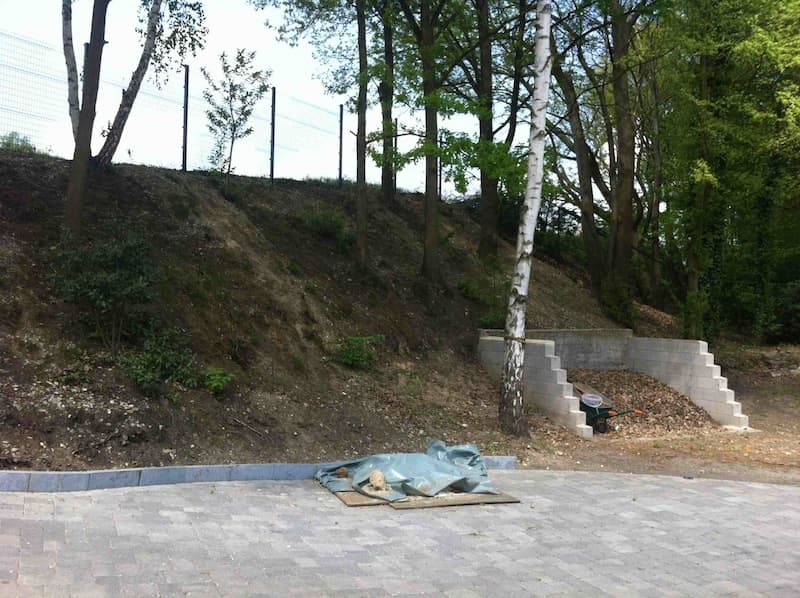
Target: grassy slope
point(264, 297)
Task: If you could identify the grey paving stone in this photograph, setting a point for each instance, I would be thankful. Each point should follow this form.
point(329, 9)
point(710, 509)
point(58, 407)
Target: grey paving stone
point(293, 538)
point(62, 481)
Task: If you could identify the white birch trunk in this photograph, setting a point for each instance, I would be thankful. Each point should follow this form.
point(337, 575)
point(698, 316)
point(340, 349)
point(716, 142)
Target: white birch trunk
point(512, 416)
point(72, 67)
point(114, 135)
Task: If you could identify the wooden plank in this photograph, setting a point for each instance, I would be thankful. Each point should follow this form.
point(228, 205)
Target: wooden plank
point(452, 500)
point(356, 499)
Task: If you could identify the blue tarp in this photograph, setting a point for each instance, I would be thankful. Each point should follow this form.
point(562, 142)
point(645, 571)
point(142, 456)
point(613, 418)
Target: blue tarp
point(441, 468)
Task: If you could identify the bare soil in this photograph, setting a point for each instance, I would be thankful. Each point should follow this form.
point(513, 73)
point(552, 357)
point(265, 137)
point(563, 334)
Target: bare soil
point(268, 299)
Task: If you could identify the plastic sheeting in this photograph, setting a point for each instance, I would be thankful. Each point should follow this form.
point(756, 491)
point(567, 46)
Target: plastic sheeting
point(441, 468)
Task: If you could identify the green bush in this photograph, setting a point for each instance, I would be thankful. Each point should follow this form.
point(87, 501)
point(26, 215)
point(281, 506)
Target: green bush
point(165, 357)
point(617, 300)
point(788, 312)
point(492, 293)
point(494, 318)
point(694, 314)
point(358, 351)
point(324, 221)
point(14, 142)
point(107, 278)
point(217, 380)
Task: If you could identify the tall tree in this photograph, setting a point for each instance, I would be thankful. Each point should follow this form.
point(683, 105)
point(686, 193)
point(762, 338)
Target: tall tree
point(83, 141)
point(512, 413)
point(171, 30)
point(424, 19)
point(72, 67)
point(361, 135)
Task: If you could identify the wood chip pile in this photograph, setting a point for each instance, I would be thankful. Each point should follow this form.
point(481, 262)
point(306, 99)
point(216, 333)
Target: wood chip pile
point(666, 410)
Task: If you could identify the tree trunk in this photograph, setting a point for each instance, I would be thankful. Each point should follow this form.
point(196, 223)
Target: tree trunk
point(386, 96)
point(83, 144)
point(430, 260)
point(512, 414)
point(129, 94)
point(490, 200)
point(361, 136)
point(72, 68)
point(591, 240)
point(621, 248)
point(657, 194)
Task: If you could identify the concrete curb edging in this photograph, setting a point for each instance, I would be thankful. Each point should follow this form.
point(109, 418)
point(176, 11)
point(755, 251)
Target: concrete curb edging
point(72, 481)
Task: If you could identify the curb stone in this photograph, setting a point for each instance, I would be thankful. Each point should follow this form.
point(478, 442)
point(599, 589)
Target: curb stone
point(71, 481)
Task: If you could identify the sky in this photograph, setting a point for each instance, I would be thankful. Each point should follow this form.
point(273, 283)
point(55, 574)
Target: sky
point(33, 93)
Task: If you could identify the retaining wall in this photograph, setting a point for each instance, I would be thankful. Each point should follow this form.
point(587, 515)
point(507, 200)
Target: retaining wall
point(685, 365)
point(688, 367)
point(546, 383)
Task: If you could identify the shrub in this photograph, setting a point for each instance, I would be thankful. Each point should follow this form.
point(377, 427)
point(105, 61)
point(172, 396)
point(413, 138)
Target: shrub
point(217, 380)
point(358, 351)
point(616, 300)
point(108, 278)
point(694, 314)
point(788, 312)
point(324, 221)
point(165, 357)
point(14, 142)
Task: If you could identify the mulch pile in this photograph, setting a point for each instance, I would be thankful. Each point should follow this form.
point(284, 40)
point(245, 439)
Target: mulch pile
point(665, 409)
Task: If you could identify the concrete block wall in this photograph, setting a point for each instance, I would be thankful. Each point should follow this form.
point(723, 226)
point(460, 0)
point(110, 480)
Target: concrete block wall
point(685, 365)
point(688, 367)
point(546, 383)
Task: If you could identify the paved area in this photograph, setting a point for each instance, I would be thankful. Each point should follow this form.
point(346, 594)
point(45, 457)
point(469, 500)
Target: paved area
point(573, 534)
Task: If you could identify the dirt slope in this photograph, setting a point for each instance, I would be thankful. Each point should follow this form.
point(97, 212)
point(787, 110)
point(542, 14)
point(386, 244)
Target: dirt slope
point(266, 291)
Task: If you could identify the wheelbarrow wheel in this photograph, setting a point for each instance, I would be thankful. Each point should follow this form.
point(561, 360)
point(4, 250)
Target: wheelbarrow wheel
point(601, 426)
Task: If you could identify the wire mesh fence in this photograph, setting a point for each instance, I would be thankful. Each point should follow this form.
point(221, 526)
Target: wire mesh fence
point(33, 104)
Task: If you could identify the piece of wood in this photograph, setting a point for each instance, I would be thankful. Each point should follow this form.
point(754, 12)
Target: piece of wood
point(452, 500)
point(356, 499)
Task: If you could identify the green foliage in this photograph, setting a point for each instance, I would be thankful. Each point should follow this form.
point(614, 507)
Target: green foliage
point(14, 142)
point(328, 223)
point(358, 351)
point(165, 357)
point(232, 100)
point(494, 318)
point(616, 300)
point(788, 313)
point(217, 380)
point(108, 278)
point(490, 290)
point(324, 221)
point(695, 311)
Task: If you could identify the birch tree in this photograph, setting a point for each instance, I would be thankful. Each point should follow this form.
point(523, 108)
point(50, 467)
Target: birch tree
point(512, 416)
point(171, 30)
point(72, 67)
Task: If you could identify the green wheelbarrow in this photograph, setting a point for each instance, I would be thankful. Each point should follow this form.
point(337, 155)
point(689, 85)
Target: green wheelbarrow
point(599, 410)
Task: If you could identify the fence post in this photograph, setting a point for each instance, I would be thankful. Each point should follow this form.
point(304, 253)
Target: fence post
point(185, 115)
point(439, 165)
point(394, 157)
point(272, 140)
point(341, 140)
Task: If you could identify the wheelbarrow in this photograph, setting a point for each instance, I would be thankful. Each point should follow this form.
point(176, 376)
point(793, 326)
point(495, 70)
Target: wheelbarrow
point(599, 410)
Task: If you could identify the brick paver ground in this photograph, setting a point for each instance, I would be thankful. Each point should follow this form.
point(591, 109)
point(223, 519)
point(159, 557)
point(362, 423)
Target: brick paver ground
point(573, 534)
